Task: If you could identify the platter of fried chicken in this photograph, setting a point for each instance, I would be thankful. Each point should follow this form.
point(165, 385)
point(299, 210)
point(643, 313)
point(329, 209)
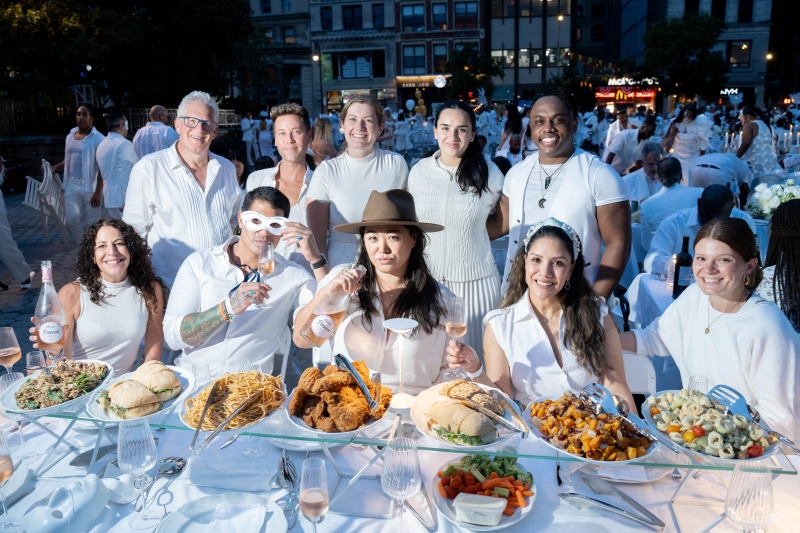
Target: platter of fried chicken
point(330, 401)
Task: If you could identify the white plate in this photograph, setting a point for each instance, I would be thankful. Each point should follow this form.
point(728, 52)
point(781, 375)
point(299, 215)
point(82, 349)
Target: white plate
point(536, 431)
point(661, 436)
point(431, 396)
point(445, 506)
point(194, 517)
point(9, 403)
point(98, 412)
point(297, 421)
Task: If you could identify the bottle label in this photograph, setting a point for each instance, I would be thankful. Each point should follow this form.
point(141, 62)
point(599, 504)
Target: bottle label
point(685, 276)
point(50, 332)
point(322, 326)
point(47, 273)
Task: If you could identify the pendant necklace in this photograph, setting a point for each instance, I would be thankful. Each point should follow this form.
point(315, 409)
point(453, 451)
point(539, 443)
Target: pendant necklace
point(708, 313)
point(549, 180)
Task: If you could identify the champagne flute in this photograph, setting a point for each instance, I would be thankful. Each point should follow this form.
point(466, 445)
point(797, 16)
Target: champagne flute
point(136, 453)
point(6, 471)
point(749, 503)
point(401, 477)
point(266, 265)
point(10, 351)
point(314, 500)
point(456, 327)
point(6, 381)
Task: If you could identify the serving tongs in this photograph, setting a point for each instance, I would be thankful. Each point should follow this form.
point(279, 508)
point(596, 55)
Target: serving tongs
point(491, 414)
point(603, 402)
point(212, 399)
point(603, 487)
point(344, 364)
point(254, 398)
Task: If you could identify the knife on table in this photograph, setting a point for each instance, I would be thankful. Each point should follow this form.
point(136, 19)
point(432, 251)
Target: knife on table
point(212, 399)
point(491, 414)
point(585, 503)
point(601, 486)
point(254, 398)
point(85, 458)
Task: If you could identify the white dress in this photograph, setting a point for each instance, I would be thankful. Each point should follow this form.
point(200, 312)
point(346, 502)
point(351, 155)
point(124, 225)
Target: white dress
point(531, 360)
point(388, 129)
point(692, 137)
point(111, 331)
point(460, 257)
point(754, 351)
point(402, 136)
point(761, 154)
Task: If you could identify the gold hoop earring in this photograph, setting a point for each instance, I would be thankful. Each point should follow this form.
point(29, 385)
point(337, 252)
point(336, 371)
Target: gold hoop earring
point(744, 279)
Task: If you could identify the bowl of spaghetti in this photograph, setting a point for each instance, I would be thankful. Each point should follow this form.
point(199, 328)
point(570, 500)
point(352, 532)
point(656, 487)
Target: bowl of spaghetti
point(234, 390)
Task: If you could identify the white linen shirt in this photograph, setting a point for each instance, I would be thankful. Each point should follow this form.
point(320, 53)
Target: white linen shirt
point(153, 137)
point(626, 148)
point(640, 187)
point(204, 280)
point(668, 239)
point(88, 181)
point(115, 158)
point(754, 351)
point(722, 169)
point(297, 212)
point(424, 356)
point(586, 184)
point(531, 360)
point(167, 207)
point(664, 203)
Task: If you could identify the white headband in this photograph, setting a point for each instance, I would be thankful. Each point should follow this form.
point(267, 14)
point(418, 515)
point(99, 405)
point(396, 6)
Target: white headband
point(255, 221)
point(571, 233)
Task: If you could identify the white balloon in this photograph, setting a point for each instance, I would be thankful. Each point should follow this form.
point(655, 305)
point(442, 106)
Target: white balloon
point(410, 104)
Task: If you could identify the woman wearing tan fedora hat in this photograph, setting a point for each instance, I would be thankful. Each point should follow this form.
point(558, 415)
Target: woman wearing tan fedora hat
point(397, 283)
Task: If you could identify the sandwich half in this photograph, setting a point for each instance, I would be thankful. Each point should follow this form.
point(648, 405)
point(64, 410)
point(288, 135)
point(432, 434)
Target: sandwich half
point(458, 424)
point(129, 399)
point(159, 379)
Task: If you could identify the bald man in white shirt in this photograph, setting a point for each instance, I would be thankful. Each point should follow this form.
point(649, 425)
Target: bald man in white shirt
point(115, 159)
point(156, 135)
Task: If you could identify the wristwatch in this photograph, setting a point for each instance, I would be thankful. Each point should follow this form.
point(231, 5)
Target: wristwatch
point(321, 263)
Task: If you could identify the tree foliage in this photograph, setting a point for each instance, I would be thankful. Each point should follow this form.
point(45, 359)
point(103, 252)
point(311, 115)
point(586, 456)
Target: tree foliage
point(471, 71)
point(681, 50)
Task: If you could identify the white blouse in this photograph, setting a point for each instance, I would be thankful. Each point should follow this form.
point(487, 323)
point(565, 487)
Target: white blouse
point(424, 355)
point(531, 360)
point(754, 350)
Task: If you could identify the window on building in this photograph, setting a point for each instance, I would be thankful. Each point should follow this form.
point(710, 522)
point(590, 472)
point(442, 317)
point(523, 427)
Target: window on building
point(288, 34)
point(530, 58)
point(466, 15)
point(578, 33)
point(739, 54)
point(413, 17)
point(691, 7)
point(326, 16)
point(557, 57)
point(503, 58)
point(286, 6)
point(598, 11)
point(457, 47)
point(361, 64)
point(266, 7)
point(532, 8)
point(745, 12)
point(414, 59)
point(378, 20)
point(579, 10)
point(439, 58)
point(598, 33)
point(351, 17)
point(718, 9)
point(439, 16)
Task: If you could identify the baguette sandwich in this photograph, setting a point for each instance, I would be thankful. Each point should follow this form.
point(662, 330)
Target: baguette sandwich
point(159, 379)
point(458, 424)
point(129, 399)
point(470, 391)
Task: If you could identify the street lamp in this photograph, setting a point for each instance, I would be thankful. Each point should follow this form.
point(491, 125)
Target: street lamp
point(769, 56)
point(317, 58)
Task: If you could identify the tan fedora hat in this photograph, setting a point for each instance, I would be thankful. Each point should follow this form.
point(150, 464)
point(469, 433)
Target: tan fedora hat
point(392, 207)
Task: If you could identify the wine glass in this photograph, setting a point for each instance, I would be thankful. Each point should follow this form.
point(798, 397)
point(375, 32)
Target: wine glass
point(238, 366)
point(10, 351)
point(456, 327)
point(6, 381)
point(136, 454)
point(6, 471)
point(314, 500)
point(401, 477)
point(266, 265)
point(35, 361)
point(699, 384)
point(749, 503)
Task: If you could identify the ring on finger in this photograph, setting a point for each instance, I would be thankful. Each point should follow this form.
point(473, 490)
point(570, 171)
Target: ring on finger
point(299, 237)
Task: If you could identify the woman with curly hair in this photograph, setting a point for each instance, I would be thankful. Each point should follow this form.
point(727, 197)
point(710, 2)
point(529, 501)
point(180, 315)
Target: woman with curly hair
point(116, 300)
point(781, 282)
point(552, 332)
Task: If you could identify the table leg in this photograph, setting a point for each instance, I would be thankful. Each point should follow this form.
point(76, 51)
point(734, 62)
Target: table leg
point(41, 470)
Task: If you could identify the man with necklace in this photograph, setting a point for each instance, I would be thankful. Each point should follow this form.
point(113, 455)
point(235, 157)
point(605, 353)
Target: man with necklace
point(567, 183)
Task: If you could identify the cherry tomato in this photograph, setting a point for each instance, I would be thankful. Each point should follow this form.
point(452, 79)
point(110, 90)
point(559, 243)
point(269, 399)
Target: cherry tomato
point(654, 411)
point(673, 429)
point(689, 436)
point(755, 450)
point(698, 431)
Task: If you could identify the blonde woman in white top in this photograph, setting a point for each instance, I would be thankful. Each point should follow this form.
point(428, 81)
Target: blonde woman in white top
point(322, 141)
point(397, 283)
point(540, 343)
point(341, 186)
point(387, 139)
point(116, 300)
point(458, 189)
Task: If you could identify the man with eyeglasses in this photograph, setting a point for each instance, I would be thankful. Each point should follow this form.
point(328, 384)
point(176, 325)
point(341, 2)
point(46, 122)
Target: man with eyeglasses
point(156, 135)
point(184, 198)
point(115, 158)
point(82, 182)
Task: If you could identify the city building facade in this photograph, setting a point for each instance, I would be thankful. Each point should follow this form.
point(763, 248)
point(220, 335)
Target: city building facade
point(596, 31)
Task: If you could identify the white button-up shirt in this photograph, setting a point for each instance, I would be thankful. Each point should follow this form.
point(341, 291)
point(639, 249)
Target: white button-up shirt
point(297, 213)
point(668, 239)
point(89, 146)
point(204, 280)
point(640, 186)
point(666, 202)
point(627, 149)
point(167, 207)
point(719, 169)
point(115, 157)
point(248, 129)
point(153, 137)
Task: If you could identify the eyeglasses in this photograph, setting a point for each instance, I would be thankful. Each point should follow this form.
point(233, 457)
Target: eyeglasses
point(192, 122)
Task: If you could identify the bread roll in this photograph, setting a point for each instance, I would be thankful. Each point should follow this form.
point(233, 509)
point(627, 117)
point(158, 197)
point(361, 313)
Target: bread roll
point(456, 418)
point(131, 399)
point(158, 378)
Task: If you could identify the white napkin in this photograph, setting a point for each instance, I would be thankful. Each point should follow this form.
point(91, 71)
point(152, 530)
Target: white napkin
point(238, 518)
point(227, 469)
point(120, 485)
point(636, 474)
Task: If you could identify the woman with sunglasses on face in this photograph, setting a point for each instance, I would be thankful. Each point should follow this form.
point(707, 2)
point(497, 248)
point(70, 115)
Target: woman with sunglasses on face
point(457, 188)
point(552, 332)
point(341, 186)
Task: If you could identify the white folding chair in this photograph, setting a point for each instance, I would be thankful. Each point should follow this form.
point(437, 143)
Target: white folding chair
point(639, 373)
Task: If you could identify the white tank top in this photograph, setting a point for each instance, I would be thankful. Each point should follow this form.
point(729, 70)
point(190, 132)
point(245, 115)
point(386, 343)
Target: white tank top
point(111, 331)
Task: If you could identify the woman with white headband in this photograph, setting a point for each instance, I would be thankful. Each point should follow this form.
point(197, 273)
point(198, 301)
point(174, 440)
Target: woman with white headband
point(552, 332)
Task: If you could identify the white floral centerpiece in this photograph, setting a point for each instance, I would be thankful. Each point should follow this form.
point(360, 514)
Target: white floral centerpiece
point(767, 198)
